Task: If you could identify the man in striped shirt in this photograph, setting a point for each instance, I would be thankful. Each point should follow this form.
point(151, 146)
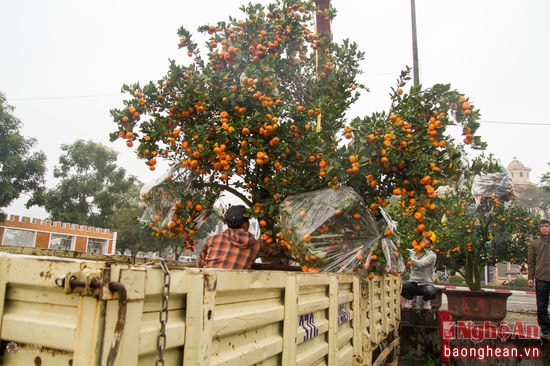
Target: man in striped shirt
point(233, 248)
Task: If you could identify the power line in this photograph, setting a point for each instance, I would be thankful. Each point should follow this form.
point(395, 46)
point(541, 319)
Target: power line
point(119, 94)
point(67, 97)
point(517, 123)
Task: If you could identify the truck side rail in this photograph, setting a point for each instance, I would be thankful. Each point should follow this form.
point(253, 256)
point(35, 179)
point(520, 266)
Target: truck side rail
point(209, 317)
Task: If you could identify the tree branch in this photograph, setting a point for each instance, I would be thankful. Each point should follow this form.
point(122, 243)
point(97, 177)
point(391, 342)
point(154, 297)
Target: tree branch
point(226, 188)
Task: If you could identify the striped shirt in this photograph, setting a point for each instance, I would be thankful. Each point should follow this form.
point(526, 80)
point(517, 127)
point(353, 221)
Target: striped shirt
point(230, 249)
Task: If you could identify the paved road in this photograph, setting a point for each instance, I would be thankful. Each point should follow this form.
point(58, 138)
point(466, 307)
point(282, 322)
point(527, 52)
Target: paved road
point(522, 301)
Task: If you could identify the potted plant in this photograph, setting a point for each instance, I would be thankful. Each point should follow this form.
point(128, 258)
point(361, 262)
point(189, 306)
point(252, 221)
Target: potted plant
point(481, 225)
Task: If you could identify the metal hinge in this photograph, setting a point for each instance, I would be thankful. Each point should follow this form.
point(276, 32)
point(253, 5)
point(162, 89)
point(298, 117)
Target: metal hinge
point(85, 283)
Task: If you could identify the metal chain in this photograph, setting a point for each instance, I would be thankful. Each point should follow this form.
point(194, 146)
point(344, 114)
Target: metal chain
point(163, 314)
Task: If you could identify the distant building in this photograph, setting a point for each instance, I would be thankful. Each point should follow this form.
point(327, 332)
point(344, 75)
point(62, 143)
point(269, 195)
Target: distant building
point(519, 172)
point(47, 234)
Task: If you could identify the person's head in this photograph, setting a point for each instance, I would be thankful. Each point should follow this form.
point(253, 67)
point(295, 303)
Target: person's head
point(234, 217)
point(544, 227)
point(429, 240)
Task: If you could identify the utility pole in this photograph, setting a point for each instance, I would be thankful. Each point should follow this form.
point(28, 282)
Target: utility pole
point(322, 22)
point(416, 77)
point(323, 27)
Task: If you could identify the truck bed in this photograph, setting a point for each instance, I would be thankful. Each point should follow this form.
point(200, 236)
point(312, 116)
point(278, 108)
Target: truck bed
point(66, 309)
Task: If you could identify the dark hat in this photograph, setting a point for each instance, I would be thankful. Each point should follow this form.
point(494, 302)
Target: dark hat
point(234, 216)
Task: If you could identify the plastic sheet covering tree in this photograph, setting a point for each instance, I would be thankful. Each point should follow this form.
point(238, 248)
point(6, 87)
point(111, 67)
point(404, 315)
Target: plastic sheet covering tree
point(332, 230)
point(499, 185)
point(392, 261)
point(164, 207)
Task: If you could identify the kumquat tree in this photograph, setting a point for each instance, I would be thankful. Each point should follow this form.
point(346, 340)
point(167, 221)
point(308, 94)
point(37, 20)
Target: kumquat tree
point(405, 155)
point(261, 113)
point(478, 222)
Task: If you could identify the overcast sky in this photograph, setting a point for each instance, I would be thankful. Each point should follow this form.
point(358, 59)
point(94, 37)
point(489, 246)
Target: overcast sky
point(63, 63)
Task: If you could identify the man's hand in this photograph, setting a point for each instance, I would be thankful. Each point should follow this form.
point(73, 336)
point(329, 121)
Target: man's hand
point(531, 283)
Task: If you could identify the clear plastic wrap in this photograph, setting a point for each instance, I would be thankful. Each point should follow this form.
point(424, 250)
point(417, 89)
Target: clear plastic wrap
point(167, 176)
point(497, 185)
point(394, 260)
point(161, 202)
point(332, 230)
point(159, 208)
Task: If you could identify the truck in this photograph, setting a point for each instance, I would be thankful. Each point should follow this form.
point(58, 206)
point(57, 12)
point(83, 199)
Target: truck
point(69, 308)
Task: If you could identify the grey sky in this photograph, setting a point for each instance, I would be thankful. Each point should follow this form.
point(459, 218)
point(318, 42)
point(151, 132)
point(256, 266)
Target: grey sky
point(63, 63)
